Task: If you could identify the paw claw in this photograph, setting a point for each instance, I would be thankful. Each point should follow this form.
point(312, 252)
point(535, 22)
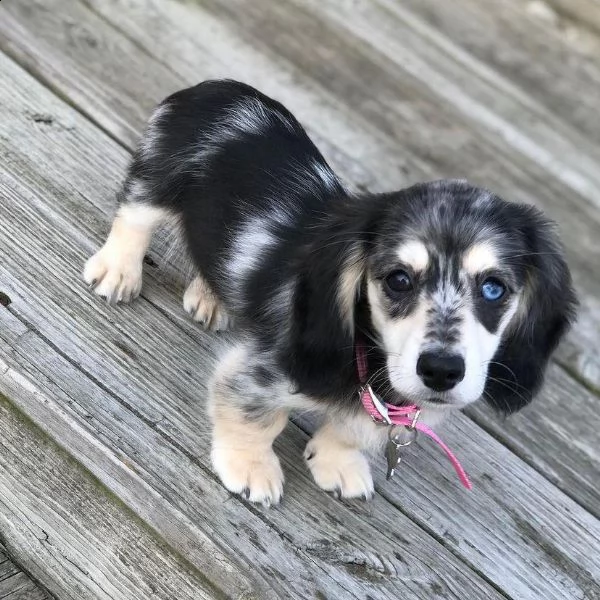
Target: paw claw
point(112, 299)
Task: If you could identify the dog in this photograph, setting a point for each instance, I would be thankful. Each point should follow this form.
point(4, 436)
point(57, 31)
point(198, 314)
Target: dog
point(454, 293)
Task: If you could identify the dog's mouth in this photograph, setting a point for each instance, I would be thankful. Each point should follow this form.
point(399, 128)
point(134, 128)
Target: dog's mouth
point(430, 402)
point(438, 401)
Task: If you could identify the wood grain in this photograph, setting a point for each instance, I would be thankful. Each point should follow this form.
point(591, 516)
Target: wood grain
point(555, 435)
point(547, 53)
point(88, 543)
point(490, 102)
point(128, 391)
point(14, 584)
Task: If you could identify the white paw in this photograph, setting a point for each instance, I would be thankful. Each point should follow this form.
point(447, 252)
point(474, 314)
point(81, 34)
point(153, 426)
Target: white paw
point(339, 469)
point(204, 307)
point(114, 275)
point(256, 476)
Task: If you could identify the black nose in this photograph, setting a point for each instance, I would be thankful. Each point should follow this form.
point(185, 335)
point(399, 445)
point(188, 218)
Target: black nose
point(440, 372)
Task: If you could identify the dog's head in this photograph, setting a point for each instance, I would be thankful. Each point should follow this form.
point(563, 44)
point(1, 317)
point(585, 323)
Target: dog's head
point(468, 295)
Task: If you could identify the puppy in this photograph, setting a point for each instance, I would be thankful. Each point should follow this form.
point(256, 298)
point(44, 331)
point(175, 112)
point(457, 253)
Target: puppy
point(455, 294)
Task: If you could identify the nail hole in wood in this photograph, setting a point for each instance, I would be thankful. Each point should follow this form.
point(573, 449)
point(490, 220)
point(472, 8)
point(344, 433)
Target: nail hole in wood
point(4, 299)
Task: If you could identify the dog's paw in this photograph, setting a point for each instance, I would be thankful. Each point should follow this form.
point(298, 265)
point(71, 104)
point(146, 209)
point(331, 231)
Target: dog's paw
point(256, 477)
point(114, 275)
point(338, 469)
point(200, 302)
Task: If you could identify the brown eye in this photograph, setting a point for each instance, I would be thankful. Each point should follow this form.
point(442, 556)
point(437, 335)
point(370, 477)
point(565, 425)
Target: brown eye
point(398, 283)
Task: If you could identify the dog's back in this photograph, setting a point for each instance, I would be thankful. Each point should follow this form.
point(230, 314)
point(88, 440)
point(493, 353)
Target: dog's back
point(240, 172)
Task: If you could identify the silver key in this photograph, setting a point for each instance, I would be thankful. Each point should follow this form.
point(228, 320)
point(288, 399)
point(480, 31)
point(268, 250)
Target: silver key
point(393, 458)
point(398, 437)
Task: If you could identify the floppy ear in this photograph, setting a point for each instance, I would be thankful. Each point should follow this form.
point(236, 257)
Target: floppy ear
point(320, 356)
point(517, 370)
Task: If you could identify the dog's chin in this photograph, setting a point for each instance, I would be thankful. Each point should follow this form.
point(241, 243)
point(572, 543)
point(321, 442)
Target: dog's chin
point(401, 399)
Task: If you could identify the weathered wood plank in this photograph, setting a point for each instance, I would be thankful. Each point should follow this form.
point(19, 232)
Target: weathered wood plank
point(20, 587)
point(223, 50)
point(491, 102)
point(16, 585)
point(552, 59)
point(118, 99)
point(160, 384)
point(107, 380)
point(7, 569)
point(516, 504)
point(90, 546)
point(558, 436)
point(58, 41)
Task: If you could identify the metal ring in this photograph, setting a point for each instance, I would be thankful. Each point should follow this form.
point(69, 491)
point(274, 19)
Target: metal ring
point(409, 441)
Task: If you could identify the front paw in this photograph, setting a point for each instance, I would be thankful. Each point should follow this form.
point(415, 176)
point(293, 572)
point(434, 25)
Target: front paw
point(339, 469)
point(114, 275)
point(256, 476)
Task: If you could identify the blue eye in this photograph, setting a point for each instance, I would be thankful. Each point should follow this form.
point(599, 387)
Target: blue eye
point(492, 289)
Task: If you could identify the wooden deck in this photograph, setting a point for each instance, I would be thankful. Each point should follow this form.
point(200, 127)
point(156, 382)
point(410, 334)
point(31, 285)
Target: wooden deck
point(106, 490)
point(14, 584)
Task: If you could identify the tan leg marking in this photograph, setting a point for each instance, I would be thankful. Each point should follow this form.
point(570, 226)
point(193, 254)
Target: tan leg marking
point(115, 271)
point(243, 456)
point(204, 306)
point(337, 464)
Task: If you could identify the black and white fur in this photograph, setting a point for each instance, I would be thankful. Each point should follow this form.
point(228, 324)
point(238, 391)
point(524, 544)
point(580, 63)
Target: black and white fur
point(303, 269)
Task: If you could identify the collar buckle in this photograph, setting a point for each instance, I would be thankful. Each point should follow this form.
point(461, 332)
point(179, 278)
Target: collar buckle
point(379, 406)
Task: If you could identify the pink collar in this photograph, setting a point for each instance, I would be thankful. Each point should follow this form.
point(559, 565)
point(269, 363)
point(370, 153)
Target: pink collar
point(389, 414)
